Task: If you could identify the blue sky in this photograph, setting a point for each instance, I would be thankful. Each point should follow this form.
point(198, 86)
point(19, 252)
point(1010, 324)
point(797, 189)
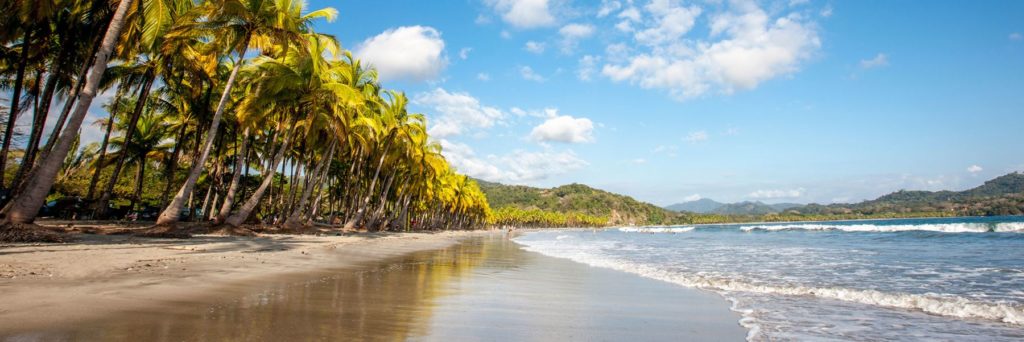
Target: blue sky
point(778, 101)
point(668, 101)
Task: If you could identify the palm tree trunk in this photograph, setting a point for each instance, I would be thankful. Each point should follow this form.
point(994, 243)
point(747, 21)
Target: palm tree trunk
point(42, 110)
point(12, 116)
point(351, 224)
point(172, 165)
point(69, 102)
point(295, 219)
point(137, 197)
point(140, 104)
point(245, 210)
point(172, 213)
point(103, 146)
point(236, 178)
point(25, 205)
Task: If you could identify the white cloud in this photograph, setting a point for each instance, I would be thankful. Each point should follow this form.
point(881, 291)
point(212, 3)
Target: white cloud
point(691, 198)
point(530, 75)
point(638, 161)
point(524, 13)
point(457, 112)
point(588, 66)
point(534, 47)
point(482, 20)
point(572, 34)
point(670, 151)
point(576, 31)
point(564, 128)
point(827, 11)
point(607, 7)
point(745, 47)
point(777, 193)
point(517, 167)
point(483, 76)
point(671, 22)
point(407, 52)
point(1016, 36)
point(974, 169)
point(464, 52)
point(880, 60)
point(696, 137)
point(630, 14)
point(505, 34)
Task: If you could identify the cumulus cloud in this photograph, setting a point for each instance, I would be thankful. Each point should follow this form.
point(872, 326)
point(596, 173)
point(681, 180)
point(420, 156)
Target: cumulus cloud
point(670, 151)
point(696, 137)
point(607, 7)
point(691, 198)
point(588, 66)
point(517, 167)
point(745, 46)
point(564, 128)
point(572, 34)
point(464, 52)
point(880, 60)
point(777, 193)
point(524, 13)
point(534, 47)
point(457, 112)
point(407, 52)
point(483, 76)
point(530, 75)
point(974, 169)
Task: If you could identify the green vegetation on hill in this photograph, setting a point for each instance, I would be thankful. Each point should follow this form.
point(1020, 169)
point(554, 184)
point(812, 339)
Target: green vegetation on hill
point(581, 205)
point(571, 200)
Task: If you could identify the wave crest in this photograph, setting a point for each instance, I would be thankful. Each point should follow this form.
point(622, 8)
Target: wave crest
point(1002, 227)
point(655, 229)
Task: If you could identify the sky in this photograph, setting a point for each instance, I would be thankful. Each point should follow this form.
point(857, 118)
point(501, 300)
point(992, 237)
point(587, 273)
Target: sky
point(669, 101)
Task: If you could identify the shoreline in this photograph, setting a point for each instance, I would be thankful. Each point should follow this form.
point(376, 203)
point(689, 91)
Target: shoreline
point(46, 285)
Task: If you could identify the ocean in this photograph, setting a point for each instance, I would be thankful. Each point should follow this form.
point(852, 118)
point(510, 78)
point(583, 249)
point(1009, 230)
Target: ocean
point(942, 279)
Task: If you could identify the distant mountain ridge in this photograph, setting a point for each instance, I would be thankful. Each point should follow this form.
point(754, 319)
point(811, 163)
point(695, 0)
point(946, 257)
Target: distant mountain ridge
point(994, 197)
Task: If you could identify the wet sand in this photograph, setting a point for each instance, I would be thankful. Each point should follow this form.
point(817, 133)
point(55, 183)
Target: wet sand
point(485, 288)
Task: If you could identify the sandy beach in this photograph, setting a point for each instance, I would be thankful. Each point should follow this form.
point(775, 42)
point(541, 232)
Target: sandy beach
point(416, 286)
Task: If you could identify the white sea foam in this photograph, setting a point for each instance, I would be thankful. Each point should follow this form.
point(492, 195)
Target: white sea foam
point(655, 229)
point(935, 227)
point(937, 304)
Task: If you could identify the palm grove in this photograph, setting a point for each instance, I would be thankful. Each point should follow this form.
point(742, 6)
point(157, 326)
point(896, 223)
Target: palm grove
point(223, 110)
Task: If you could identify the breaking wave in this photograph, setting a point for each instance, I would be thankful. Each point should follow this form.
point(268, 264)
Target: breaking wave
point(936, 304)
point(1001, 227)
point(655, 229)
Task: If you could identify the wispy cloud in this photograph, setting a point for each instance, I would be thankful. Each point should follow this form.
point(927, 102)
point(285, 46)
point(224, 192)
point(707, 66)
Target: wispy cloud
point(696, 137)
point(880, 60)
point(528, 74)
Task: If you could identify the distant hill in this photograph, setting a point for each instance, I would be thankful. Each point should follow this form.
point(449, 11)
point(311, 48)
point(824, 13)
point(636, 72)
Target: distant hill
point(710, 206)
point(703, 206)
point(745, 208)
point(1003, 195)
point(577, 198)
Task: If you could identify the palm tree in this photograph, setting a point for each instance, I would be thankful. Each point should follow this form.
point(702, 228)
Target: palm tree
point(25, 204)
point(257, 23)
point(149, 145)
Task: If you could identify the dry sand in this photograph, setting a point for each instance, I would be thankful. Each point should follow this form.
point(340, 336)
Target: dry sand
point(47, 285)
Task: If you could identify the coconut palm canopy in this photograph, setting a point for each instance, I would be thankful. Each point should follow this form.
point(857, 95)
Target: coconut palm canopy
point(232, 111)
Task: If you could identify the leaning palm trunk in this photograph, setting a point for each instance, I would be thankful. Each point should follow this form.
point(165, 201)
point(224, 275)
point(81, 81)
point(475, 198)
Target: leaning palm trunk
point(369, 193)
point(295, 219)
point(25, 205)
point(245, 210)
point(236, 178)
point(140, 104)
point(172, 213)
